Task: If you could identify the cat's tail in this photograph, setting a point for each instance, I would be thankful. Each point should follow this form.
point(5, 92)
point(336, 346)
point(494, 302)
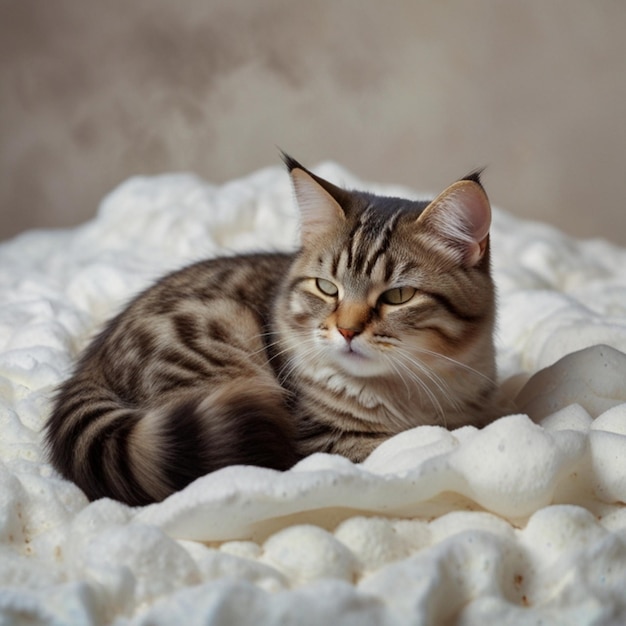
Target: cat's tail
point(141, 456)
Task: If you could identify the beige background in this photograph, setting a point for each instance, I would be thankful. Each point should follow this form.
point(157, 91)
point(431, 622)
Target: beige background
point(412, 92)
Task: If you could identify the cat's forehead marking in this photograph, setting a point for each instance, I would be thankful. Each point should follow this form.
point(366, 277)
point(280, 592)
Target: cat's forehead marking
point(375, 246)
point(370, 238)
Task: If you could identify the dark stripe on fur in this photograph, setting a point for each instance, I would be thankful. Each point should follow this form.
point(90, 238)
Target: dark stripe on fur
point(309, 428)
point(360, 242)
point(132, 490)
point(193, 362)
point(187, 328)
point(111, 474)
point(145, 340)
point(390, 267)
point(172, 381)
point(335, 264)
point(197, 441)
point(219, 332)
point(190, 334)
point(384, 246)
point(449, 306)
point(73, 424)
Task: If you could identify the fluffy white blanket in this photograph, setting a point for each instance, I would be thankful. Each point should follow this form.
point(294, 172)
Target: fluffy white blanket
point(522, 522)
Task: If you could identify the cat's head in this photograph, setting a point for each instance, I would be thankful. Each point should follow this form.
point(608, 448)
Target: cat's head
point(389, 287)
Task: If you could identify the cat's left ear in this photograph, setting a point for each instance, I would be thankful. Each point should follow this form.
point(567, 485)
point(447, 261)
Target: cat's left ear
point(460, 217)
point(320, 212)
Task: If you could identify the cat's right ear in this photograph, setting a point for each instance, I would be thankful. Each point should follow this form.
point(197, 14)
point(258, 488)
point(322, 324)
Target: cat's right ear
point(319, 211)
point(459, 218)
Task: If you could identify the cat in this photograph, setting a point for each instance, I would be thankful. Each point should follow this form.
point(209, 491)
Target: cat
point(381, 321)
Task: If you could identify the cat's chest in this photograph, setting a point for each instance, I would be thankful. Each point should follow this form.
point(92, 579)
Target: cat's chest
point(352, 390)
point(356, 403)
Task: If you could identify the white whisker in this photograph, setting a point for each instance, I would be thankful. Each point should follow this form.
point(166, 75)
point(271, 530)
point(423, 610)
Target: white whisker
point(423, 384)
point(293, 362)
point(457, 363)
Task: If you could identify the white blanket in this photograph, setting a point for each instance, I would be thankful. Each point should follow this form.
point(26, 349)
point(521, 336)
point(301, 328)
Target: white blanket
point(518, 523)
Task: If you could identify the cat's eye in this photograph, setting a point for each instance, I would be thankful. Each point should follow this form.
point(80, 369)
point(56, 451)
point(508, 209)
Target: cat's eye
point(398, 295)
point(326, 287)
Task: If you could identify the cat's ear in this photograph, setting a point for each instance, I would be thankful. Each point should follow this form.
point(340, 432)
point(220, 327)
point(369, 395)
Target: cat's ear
point(320, 212)
point(460, 217)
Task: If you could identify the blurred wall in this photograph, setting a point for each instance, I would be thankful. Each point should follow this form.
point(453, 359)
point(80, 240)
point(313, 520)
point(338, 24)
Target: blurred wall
point(412, 92)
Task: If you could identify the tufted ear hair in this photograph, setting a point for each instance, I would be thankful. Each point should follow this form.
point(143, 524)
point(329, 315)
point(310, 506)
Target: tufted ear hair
point(318, 200)
point(460, 218)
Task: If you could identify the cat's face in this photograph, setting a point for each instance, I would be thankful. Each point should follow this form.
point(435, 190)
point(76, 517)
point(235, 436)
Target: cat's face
point(390, 288)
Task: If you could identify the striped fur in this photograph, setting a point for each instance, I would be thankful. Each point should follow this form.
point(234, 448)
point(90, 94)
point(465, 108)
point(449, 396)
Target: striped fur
point(382, 321)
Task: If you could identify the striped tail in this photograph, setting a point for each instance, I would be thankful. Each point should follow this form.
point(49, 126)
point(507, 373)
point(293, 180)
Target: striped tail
point(139, 456)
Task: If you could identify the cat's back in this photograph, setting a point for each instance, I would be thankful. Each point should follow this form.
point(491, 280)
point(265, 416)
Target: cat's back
point(210, 286)
point(229, 299)
point(177, 385)
point(251, 279)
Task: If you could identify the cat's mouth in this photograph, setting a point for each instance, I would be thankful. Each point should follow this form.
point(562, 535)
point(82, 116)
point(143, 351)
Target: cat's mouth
point(358, 363)
point(351, 353)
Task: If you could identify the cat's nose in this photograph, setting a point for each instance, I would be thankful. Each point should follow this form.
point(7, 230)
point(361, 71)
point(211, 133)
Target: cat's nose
point(348, 333)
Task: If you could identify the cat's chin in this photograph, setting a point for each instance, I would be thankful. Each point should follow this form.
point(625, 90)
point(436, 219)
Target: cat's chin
point(357, 364)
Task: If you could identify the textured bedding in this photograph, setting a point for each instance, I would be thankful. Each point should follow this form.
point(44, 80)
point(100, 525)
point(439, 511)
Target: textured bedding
point(522, 522)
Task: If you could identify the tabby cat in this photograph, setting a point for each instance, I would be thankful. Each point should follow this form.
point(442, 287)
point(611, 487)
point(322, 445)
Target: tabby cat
point(381, 321)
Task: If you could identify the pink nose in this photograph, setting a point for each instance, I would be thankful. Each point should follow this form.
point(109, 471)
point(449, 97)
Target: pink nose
point(348, 333)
